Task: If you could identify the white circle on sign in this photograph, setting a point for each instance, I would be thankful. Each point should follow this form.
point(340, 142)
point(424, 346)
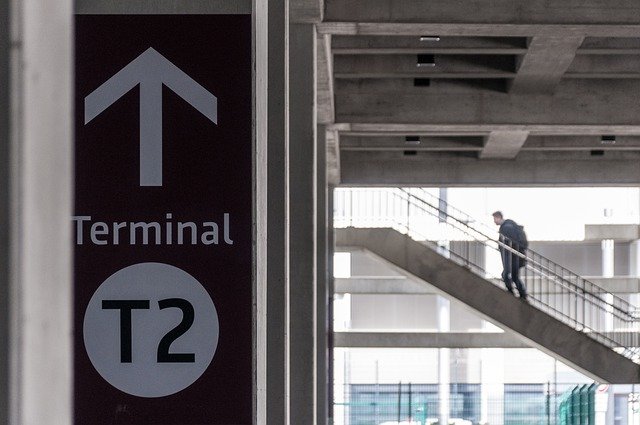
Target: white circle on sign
point(151, 330)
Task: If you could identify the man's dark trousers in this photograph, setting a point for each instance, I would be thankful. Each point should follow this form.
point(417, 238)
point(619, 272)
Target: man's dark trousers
point(511, 274)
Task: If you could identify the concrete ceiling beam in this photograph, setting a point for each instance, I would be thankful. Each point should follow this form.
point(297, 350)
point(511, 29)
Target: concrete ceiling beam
point(306, 11)
point(567, 12)
point(401, 129)
point(427, 340)
point(504, 144)
point(383, 142)
point(480, 30)
point(532, 169)
point(363, 42)
point(403, 64)
point(400, 143)
point(325, 86)
point(333, 156)
point(543, 66)
point(592, 104)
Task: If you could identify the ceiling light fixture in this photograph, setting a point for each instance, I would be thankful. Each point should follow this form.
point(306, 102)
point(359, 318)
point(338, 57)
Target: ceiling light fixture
point(412, 140)
point(429, 38)
point(421, 82)
point(608, 140)
point(426, 60)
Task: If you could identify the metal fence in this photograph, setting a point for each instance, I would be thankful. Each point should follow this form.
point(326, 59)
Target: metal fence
point(551, 287)
point(464, 404)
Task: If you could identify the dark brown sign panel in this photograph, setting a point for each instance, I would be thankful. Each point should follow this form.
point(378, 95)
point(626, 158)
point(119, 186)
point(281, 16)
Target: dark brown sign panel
point(163, 213)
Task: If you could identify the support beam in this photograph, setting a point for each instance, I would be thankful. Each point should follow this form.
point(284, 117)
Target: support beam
point(546, 61)
point(325, 91)
point(155, 7)
point(428, 340)
point(302, 300)
point(429, 143)
point(277, 409)
point(331, 249)
point(333, 156)
point(533, 169)
point(576, 103)
point(306, 11)
point(504, 144)
point(5, 211)
point(265, 35)
point(397, 129)
point(425, 143)
point(381, 285)
point(461, 12)
point(41, 186)
point(324, 296)
point(380, 45)
point(405, 66)
point(478, 29)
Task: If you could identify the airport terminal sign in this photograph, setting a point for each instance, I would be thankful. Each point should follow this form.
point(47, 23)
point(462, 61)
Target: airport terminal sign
point(163, 220)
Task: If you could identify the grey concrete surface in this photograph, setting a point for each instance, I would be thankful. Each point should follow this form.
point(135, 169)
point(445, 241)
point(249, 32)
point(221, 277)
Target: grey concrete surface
point(575, 103)
point(496, 305)
point(497, 29)
point(325, 93)
point(306, 11)
point(302, 225)
point(545, 63)
point(41, 185)
point(155, 7)
point(617, 232)
point(5, 211)
point(380, 285)
point(277, 214)
point(568, 12)
point(396, 169)
point(323, 297)
point(262, 34)
point(504, 144)
point(428, 340)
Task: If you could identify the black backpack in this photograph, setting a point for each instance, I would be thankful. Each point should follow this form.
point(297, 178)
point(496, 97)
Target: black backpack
point(522, 241)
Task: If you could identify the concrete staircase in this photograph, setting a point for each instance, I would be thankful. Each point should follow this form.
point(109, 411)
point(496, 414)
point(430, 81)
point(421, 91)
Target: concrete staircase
point(495, 304)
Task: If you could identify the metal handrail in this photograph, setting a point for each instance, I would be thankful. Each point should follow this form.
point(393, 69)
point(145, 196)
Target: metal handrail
point(619, 304)
point(551, 287)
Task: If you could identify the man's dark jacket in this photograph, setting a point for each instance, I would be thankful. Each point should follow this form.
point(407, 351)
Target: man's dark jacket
point(509, 235)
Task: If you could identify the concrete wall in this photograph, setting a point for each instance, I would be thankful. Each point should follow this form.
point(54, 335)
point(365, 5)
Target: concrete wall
point(365, 264)
point(583, 258)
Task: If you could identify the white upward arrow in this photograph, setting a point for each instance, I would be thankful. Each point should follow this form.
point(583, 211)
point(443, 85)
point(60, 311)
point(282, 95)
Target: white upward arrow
point(151, 70)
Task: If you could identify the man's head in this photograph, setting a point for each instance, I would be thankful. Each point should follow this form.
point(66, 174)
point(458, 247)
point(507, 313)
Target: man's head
point(498, 218)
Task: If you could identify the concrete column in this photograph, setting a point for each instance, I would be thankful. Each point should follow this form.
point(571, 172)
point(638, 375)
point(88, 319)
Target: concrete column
point(634, 258)
point(322, 278)
point(4, 210)
point(444, 358)
point(492, 391)
point(331, 291)
point(278, 214)
point(302, 215)
point(41, 187)
point(608, 258)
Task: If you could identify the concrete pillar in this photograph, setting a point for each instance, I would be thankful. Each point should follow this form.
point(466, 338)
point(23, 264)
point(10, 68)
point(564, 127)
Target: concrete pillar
point(608, 258)
point(492, 391)
point(322, 277)
point(634, 258)
point(40, 184)
point(330, 315)
point(277, 214)
point(5, 163)
point(444, 356)
point(302, 224)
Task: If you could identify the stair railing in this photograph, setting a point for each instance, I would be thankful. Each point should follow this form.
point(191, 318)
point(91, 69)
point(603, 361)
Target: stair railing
point(551, 287)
